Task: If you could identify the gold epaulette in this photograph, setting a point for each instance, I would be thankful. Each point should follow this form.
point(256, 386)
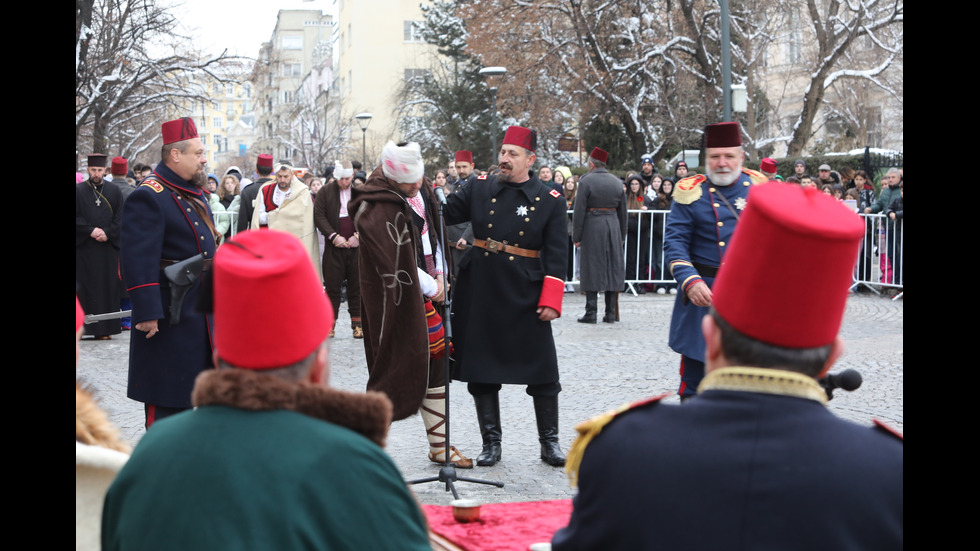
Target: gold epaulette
point(756, 176)
point(152, 184)
point(688, 190)
point(587, 430)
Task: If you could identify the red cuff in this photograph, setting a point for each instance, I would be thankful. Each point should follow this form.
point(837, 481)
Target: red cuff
point(552, 292)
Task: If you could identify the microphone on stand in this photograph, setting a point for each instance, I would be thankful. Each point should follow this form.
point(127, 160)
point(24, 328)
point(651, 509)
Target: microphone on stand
point(440, 195)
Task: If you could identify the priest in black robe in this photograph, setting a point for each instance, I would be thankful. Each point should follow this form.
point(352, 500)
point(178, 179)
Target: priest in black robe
point(98, 211)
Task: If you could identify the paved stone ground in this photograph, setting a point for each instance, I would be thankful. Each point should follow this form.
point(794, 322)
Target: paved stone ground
point(602, 366)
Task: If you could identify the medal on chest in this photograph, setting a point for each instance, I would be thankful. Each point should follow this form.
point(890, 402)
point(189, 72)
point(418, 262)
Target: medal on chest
point(522, 210)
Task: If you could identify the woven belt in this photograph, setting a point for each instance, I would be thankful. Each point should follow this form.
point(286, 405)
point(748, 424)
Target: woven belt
point(706, 271)
point(164, 263)
point(497, 247)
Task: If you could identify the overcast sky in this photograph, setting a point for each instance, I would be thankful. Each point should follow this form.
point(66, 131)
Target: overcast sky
point(239, 25)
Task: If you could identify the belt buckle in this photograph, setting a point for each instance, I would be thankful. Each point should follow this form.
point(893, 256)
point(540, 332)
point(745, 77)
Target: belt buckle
point(493, 246)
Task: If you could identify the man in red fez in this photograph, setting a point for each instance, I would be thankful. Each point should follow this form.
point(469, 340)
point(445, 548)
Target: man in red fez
point(703, 216)
point(599, 229)
point(461, 234)
point(263, 167)
point(509, 289)
point(98, 216)
point(168, 220)
point(271, 455)
point(755, 460)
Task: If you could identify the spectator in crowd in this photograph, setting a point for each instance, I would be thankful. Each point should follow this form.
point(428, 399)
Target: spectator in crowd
point(229, 195)
point(662, 202)
point(647, 169)
point(315, 185)
point(806, 181)
point(460, 235)
point(270, 457)
point(119, 171)
point(847, 177)
point(799, 169)
point(756, 457)
point(889, 192)
point(866, 198)
point(558, 178)
point(895, 242)
point(99, 454)
point(680, 171)
point(827, 176)
point(827, 189)
point(637, 232)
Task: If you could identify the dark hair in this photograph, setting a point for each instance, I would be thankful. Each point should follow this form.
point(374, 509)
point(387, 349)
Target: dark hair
point(740, 349)
point(861, 173)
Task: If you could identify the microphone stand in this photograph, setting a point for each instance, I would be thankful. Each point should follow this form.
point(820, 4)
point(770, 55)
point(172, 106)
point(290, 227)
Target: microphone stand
point(447, 473)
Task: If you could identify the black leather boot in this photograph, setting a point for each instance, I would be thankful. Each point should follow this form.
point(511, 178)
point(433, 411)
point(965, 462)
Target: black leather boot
point(546, 413)
point(591, 306)
point(488, 415)
point(610, 316)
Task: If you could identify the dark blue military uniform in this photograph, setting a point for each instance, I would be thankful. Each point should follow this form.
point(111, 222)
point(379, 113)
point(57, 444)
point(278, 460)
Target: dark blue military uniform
point(699, 229)
point(159, 226)
point(498, 336)
point(755, 469)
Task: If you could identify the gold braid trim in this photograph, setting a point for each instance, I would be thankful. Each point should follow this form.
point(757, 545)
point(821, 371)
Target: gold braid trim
point(766, 381)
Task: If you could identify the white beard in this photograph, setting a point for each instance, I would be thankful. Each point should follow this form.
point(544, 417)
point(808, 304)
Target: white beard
point(724, 179)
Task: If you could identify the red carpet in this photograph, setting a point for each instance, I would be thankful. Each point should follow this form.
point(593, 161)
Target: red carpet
point(502, 526)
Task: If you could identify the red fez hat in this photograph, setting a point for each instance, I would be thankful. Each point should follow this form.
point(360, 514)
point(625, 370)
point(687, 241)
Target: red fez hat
point(521, 137)
point(723, 134)
point(269, 307)
point(767, 165)
point(179, 130)
point(599, 155)
point(264, 161)
point(464, 157)
point(79, 315)
point(786, 274)
point(120, 166)
point(97, 160)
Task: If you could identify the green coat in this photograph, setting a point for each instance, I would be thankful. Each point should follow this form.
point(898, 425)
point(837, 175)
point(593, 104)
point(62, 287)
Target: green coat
point(264, 464)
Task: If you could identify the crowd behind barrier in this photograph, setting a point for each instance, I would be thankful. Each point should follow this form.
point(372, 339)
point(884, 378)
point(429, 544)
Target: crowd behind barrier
point(879, 264)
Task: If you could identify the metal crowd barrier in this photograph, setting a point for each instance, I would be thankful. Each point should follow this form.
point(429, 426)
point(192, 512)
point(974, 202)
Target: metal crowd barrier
point(879, 264)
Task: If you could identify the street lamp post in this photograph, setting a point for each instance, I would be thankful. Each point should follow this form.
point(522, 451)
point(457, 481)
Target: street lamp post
point(493, 72)
point(364, 119)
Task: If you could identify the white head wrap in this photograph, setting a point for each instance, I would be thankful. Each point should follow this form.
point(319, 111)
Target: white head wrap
point(340, 172)
point(402, 164)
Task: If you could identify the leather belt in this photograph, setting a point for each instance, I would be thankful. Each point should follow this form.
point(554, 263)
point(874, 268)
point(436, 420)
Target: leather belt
point(497, 247)
point(164, 263)
point(603, 208)
point(704, 270)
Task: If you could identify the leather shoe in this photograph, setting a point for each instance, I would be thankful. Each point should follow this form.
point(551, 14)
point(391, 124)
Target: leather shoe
point(358, 332)
point(587, 318)
point(490, 455)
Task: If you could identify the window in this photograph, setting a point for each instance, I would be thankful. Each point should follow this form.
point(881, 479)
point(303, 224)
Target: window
point(287, 96)
point(413, 31)
point(216, 121)
point(413, 74)
point(292, 42)
point(292, 69)
point(229, 89)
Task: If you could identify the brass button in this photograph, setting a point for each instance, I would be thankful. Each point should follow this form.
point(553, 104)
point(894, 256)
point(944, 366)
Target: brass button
point(491, 213)
point(527, 219)
point(486, 254)
point(720, 224)
point(188, 209)
point(721, 243)
point(494, 200)
point(711, 189)
point(202, 238)
point(489, 225)
point(716, 205)
point(746, 184)
point(511, 258)
point(532, 208)
point(521, 233)
point(537, 198)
